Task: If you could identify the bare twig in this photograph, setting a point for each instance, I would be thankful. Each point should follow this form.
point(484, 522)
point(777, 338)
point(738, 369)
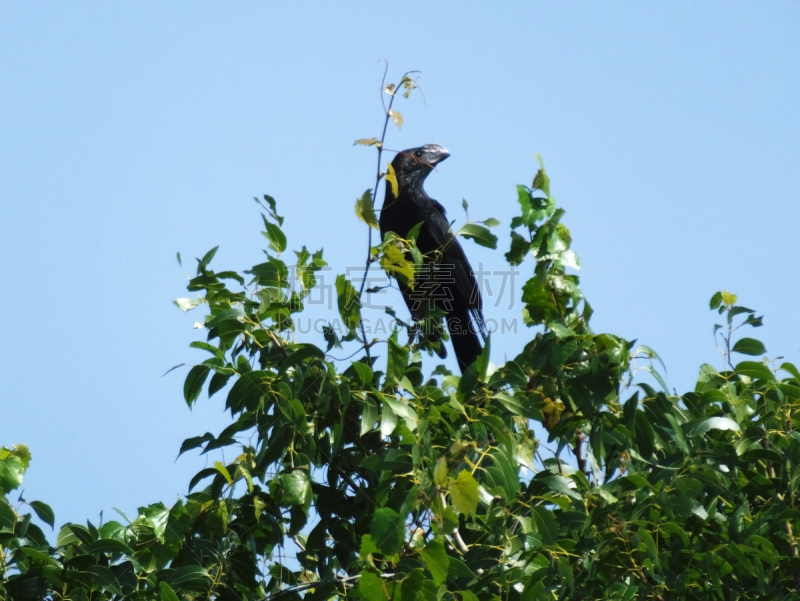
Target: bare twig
point(387, 116)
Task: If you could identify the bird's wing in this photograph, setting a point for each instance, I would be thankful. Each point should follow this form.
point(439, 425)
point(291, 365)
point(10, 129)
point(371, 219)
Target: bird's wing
point(465, 287)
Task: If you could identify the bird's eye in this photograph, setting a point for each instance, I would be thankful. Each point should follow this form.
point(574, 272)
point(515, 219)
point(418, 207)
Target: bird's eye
point(418, 154)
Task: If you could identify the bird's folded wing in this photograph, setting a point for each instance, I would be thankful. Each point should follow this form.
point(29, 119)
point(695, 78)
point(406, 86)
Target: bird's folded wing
point(453, 258)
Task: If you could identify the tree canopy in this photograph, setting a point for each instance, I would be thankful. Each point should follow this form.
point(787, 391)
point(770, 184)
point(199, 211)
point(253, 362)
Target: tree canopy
point(556, 475)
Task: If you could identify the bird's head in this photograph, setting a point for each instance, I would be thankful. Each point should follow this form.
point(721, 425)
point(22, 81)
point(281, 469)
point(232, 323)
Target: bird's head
point(412, 166)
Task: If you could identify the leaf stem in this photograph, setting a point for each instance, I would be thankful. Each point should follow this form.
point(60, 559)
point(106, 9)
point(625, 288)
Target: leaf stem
point(370, 259)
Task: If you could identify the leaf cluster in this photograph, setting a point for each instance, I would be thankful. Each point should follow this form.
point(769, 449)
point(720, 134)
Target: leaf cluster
point(381, 480)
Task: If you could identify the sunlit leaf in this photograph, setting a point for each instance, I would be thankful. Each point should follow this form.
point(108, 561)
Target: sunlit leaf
point(365, 210)
point(348, 302)
point(464, 492)
point(391, 177)
point(702, 426)
point(371, 587)
point(436, 560)
point(187, 304)
point(440, 471)
point(397, 118)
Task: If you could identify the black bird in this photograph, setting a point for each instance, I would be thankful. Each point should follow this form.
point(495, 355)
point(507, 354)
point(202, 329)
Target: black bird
point(448, 283)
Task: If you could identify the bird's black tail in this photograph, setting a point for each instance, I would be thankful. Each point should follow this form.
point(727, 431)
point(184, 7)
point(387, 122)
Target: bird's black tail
point(463, 333)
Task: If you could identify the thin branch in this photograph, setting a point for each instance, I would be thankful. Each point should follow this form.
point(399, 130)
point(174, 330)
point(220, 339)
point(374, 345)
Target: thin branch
point(388, 116)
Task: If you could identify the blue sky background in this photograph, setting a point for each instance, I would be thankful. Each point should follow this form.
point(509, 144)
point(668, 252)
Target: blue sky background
point(132, 131)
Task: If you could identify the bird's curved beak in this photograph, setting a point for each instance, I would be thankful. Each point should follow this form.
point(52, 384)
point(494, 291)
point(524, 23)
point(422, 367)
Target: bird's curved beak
point(440, 155)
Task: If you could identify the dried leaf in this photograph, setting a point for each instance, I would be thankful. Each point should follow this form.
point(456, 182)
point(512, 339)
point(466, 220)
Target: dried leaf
point(389, 89)
point(397, 118)
point(409, 84)
point(368, 142)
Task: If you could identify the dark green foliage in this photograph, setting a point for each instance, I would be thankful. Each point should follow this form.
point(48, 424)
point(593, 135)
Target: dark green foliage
point(390, 486)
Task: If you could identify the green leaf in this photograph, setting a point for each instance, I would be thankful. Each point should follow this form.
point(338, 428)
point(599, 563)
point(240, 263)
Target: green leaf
point(11, 473)
point(109, 545)
point(387, 530)
point(749, 346)
point(44, 512)
point(8, 517)
point(388, 420)
point(248, 390)
point(436, 560)
point(545, 524)
point(275, 236)
point(40, 557)
point(728, 299)
point(367, 547)
point(644, 436)
point(465, 493)
point(187, 574)
point(203, 263)
point(349, 303)
point(224, 471)
point(273, 208)
point(541, 181)
point(701, 426)
point(519, 405)
point(459, 569)
point(217, 383)
point(412, 584)
point(167, 594)
point(539, 303)
point(397, 264)
point(368, 416)
point(397, 360)
point(791, 369)
point(370, 585)
point(479, 233)
point(104, 578)
point(561, 485)
point(364, 372)
point(755, 370)
point(193, 385)
point(207, 347)
point(440, 471)
point(365, 210)
point(293, 488)
point(272, 274)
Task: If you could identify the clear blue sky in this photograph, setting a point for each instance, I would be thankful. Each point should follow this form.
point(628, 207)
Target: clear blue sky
point(131, 131)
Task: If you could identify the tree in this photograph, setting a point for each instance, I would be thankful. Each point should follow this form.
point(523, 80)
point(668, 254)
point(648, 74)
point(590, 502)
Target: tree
point(393, 482)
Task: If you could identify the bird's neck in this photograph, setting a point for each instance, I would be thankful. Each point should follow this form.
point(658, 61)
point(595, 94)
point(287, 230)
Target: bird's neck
point(412, 187)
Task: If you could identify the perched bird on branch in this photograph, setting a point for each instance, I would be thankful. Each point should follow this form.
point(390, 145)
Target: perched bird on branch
point(446, 281)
